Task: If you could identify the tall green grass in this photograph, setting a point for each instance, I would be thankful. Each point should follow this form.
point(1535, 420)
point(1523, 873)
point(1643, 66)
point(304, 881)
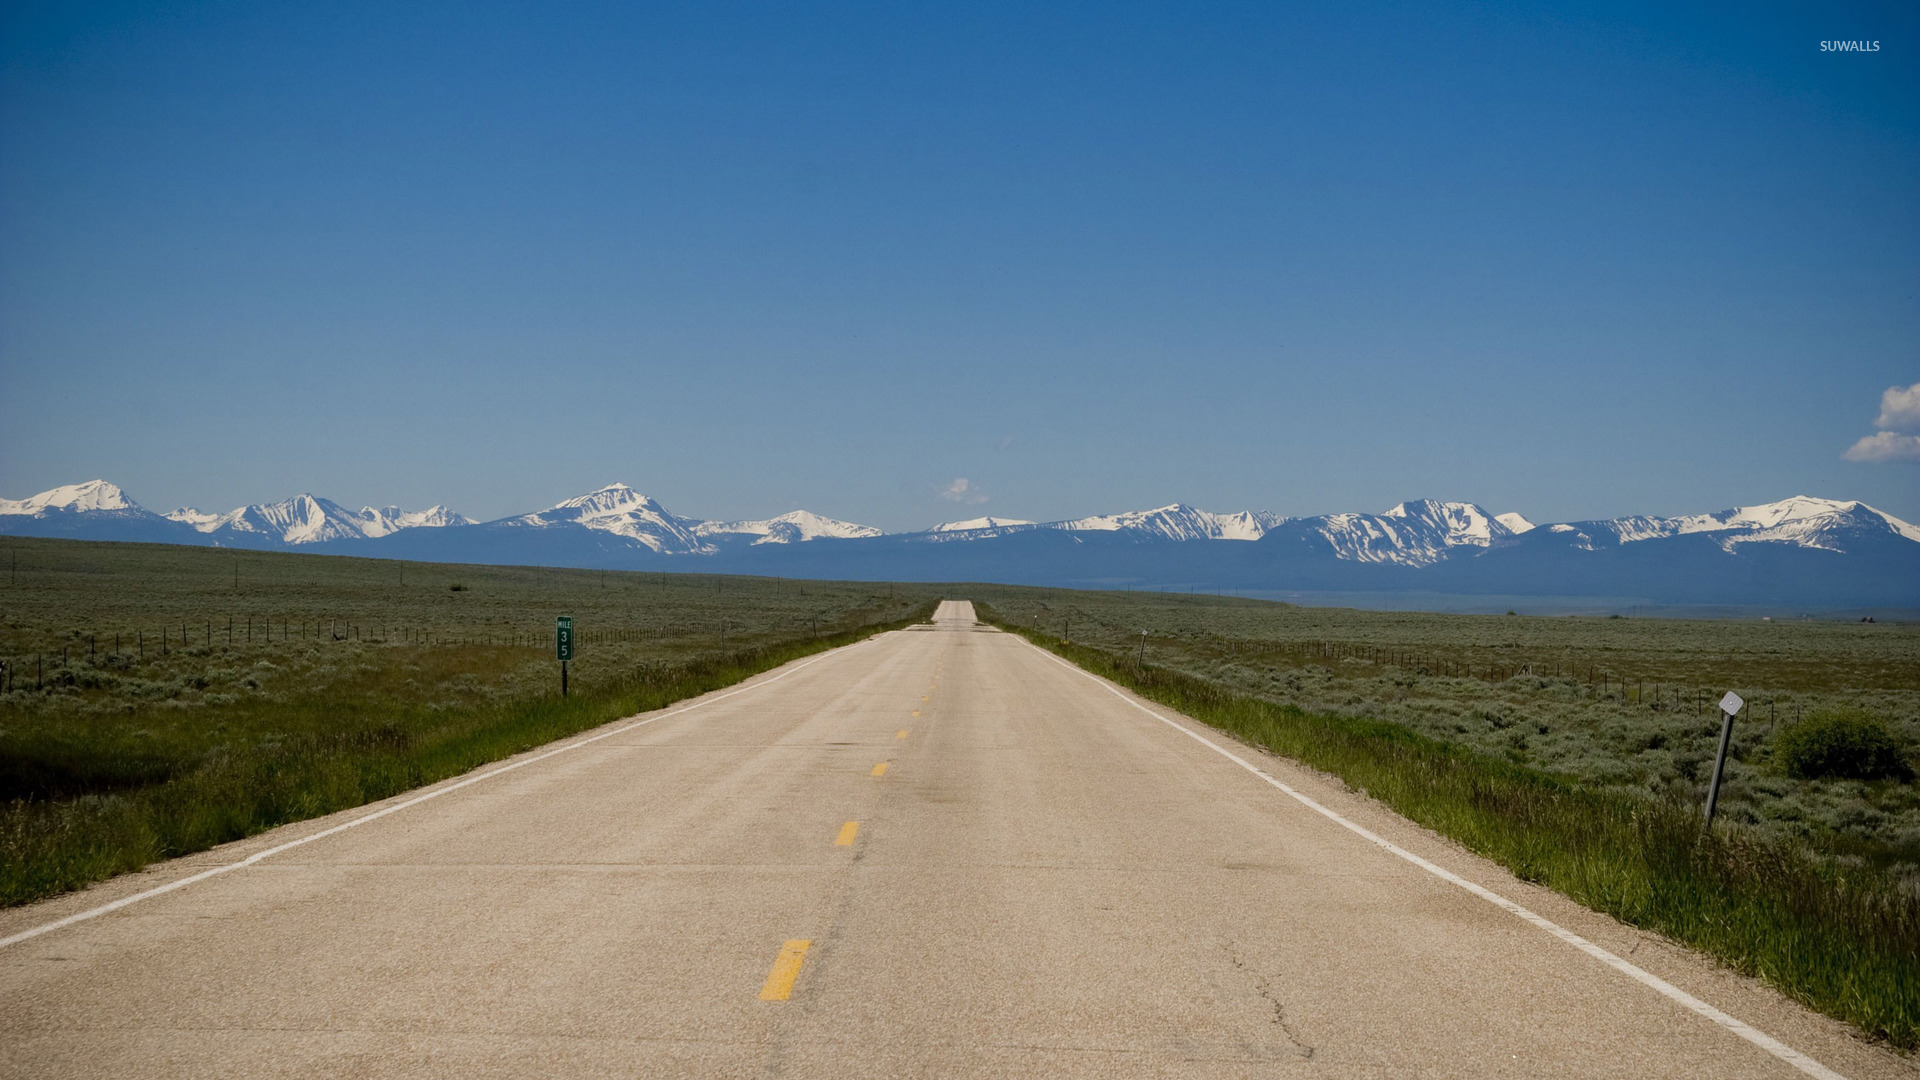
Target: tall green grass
point(1843, 939)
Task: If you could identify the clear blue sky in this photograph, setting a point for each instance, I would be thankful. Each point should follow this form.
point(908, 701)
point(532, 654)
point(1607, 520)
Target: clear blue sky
point(1578, 262)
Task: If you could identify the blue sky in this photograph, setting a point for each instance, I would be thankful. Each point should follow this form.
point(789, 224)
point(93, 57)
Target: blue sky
point(1577, 262)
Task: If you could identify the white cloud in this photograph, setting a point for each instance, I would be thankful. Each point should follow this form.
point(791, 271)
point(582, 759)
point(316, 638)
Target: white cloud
point(1899, 409)
point(962, 490)
point(1885, 446)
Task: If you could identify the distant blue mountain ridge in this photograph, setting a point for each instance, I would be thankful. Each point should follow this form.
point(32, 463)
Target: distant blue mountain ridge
point(1801, 551)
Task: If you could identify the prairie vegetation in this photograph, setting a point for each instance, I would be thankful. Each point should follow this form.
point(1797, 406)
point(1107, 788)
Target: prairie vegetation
point(1625, 704)
point(1532, 742)
point(133, 727)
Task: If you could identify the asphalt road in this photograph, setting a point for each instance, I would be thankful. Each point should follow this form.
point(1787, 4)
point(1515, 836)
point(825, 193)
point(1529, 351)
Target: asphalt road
point(938, 853)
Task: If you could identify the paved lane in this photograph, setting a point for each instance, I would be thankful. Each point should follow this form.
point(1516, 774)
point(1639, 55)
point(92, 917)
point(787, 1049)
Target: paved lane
point(938, 853)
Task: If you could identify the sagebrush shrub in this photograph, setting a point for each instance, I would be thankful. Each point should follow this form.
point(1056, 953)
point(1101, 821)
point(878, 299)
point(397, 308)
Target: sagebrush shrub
point(1848, 744)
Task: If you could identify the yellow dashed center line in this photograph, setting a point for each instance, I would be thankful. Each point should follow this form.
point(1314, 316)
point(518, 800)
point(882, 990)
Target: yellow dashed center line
point(923, 697)
point(880, 769)
point(916, 712)
point(902, 735)
point(847, 832)
point(786, 968)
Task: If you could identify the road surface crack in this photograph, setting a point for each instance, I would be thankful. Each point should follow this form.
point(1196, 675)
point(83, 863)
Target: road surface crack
point(1264, 986)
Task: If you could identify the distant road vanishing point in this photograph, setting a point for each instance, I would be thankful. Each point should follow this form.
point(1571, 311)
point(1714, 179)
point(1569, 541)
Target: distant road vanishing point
point(941, 852)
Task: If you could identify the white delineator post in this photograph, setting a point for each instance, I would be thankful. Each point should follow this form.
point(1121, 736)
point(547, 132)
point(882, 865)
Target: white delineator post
point(1730, 706)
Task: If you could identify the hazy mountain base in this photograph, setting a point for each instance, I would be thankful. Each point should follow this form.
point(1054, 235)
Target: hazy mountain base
point(1692, 569)
point(1593, 699)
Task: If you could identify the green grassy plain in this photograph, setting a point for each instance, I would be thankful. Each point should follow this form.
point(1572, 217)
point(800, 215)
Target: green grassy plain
point(1485, 729)
point(135, 726)
point(1624, 704)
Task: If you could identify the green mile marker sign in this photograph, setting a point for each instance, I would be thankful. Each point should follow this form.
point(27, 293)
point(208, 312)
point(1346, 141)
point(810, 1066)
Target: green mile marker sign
point(563, 638)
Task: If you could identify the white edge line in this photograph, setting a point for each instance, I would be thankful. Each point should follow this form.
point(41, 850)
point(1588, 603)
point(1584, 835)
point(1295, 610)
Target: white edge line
point(1739, 1027)
point(94, 913)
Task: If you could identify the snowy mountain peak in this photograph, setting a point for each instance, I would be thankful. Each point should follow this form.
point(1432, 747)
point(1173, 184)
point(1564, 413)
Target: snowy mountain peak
point(1809, 512)
point(433, 517)
point(187, 515)
point(73, 498)
point(1515, 523)
point(613, 498)
point(303, 519)
point(391, 519)
point(795, 526)
point(1464, 523)
point(1245, 525)
point(622, 511)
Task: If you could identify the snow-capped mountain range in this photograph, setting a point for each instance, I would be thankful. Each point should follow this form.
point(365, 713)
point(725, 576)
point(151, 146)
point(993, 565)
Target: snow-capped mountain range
point(1411, 534)
point(309, 519)
point(618, 526)
point(1416, 533)
point(1808, 522)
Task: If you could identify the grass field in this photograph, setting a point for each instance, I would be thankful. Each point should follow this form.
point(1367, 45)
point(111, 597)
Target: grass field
point(1486, 729)
point(1625, 704)
point(160, 700)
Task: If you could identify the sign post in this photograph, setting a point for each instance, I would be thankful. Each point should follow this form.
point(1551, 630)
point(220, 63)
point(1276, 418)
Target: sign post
point(563, 647)
point(1729, 707)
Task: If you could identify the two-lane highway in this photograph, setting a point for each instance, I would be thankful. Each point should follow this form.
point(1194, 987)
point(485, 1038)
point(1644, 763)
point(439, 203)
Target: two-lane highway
point(938, 853)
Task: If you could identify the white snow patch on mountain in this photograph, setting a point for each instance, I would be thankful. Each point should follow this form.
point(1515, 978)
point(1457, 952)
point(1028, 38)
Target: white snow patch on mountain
point(1515, 523)
point(73, 498)
point(976, 524)
point(187, 515)
point(1463, 523)
point(392, 519)
point(796, 526)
